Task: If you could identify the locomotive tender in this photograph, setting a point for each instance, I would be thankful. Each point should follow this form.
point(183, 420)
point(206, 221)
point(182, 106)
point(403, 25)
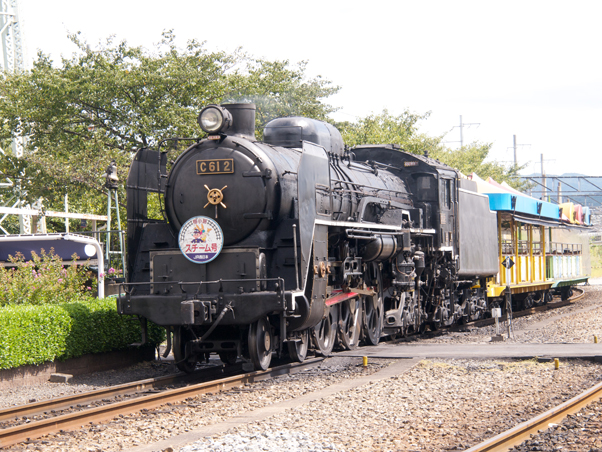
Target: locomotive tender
point(295, 242)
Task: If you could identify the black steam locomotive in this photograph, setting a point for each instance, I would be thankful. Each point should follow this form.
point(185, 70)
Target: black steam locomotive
point(295, 242)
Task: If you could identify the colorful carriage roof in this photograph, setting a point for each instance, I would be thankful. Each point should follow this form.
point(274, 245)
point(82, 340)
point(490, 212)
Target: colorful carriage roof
point(502, 197)
point(575, 213)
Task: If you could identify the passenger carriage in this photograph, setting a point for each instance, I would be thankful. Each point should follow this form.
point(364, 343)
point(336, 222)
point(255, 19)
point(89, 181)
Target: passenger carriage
point(548, 254)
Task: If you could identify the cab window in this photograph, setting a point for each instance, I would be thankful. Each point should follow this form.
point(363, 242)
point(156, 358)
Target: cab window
point(446, 190)
point(426, 188)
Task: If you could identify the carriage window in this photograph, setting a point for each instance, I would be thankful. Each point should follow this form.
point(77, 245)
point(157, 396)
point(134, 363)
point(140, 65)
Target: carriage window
point(426, 188)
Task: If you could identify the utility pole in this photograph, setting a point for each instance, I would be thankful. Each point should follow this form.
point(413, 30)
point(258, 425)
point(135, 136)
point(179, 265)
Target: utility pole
point(515, 148)
point(462, 125)
point(514, 139)
point(543, 180)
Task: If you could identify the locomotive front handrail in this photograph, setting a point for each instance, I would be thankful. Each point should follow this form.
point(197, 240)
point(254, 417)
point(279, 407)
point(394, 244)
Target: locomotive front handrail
point(203, 282)
point(279, 288)
point(378, 189)
point(161, 143)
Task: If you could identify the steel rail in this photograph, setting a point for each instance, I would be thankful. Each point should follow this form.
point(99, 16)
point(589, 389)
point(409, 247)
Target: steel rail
point(522, 432)
point(73, 421)
point(60, 403)
point(134, 387)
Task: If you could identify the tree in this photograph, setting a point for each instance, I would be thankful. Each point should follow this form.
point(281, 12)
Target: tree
point(101, 103)
point(385, 128)
point(277, 89)
point(403, 130)
point(473, 158)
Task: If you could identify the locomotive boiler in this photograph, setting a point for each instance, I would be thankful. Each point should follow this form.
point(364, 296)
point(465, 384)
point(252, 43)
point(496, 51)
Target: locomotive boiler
point(295, 242)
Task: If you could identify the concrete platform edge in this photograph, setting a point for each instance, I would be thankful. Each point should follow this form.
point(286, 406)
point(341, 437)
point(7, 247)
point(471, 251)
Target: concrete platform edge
point(27, 375)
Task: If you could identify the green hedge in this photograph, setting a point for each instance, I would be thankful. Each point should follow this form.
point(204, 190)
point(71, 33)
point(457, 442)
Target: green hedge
point(36, 334)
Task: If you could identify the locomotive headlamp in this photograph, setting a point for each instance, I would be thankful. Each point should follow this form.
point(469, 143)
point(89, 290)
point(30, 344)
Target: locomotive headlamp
point(214, 119)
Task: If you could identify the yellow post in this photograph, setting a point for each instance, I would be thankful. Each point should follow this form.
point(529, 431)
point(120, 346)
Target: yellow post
point(365, 361)
point(517, 267)
point(531, 258)
point(543, 253)
point(595, 339)
point(500, 248)
point(556, 363)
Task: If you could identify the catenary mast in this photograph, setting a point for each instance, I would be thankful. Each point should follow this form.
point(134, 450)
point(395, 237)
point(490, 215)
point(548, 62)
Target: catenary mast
point(12, 48)
point(10, 32)
point(13, 60)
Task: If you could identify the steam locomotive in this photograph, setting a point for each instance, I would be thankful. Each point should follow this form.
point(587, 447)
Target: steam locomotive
point(295, 242)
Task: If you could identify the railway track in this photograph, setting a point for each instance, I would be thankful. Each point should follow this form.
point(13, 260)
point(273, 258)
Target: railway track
point(522, 432)
point(148, 399)
point(144, 395)
point(77, 401)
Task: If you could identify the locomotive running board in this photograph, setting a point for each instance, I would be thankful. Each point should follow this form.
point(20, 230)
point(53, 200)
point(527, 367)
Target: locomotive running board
point(373, 226)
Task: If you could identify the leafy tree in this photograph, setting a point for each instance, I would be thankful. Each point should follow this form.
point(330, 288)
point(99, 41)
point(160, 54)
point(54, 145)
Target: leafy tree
point(100, 104)
point(280, 90)
point(385, 128)
point(473, 158)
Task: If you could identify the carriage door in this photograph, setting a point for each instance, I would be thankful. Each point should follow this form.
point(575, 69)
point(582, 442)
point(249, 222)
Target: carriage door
point(447, 195)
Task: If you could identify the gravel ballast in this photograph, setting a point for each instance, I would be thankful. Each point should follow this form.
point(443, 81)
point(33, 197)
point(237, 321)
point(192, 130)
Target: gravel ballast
point(439, 405)
point(580, 432)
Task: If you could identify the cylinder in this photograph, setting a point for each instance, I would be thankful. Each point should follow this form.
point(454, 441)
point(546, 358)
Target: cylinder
point(381, 248)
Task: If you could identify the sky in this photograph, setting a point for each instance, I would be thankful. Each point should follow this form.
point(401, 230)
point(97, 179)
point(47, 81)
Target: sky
point(529, 68)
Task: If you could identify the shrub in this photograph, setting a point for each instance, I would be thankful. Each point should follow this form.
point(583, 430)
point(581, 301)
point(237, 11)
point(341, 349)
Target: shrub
point(35, 334)
point(43, 280)
point(32, 334)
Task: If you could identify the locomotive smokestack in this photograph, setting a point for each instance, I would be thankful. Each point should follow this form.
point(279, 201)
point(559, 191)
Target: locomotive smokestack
point(243, 120)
